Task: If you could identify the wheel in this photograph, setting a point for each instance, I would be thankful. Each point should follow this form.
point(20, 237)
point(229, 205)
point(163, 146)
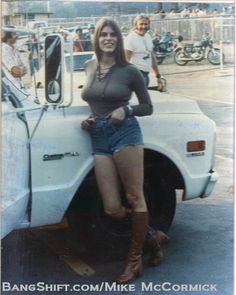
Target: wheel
point(213, 56)
point(161, 199)
point(178, 58)
point(107, 238)
point(103, 238)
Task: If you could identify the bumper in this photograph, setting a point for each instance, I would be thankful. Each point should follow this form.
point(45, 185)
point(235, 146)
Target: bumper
point(210, 184)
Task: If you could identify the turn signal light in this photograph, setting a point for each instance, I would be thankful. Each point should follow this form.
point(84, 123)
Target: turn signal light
point(196, 146)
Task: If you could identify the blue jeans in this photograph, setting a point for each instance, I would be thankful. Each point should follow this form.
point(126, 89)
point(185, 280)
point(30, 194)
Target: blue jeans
point(108, 138)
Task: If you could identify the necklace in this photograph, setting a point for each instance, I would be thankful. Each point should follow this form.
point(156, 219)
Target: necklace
point(105, 68)
point(103, 72)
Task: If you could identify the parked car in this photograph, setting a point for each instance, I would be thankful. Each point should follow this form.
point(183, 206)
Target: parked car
point(79, 60)
point(36, 24)
point(48, 168)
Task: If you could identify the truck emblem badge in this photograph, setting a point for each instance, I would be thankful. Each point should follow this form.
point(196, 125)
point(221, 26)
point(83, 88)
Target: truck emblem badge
point(60, 156)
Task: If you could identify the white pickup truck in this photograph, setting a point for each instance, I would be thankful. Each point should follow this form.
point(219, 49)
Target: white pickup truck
point(48, 169)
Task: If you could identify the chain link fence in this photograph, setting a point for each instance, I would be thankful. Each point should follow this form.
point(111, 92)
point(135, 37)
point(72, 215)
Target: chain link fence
point(190, 28)
point(193, 28)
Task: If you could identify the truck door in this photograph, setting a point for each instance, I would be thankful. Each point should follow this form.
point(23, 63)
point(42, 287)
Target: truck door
point(15, 165)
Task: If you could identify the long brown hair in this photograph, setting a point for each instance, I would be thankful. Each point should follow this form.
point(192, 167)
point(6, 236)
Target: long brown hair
point(119, 51)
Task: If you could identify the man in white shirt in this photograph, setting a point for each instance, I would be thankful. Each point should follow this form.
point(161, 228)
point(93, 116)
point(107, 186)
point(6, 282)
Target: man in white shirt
point(139, 49)
point(12, 63)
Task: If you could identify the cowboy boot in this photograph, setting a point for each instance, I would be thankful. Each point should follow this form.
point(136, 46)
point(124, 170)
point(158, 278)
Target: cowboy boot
point(156, 239)
point(133, 266)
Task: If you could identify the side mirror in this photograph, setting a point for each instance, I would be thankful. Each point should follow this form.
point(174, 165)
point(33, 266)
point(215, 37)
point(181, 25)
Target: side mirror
point(54, 54)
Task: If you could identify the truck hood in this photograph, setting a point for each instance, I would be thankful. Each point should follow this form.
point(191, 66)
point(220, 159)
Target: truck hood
point(165, 103)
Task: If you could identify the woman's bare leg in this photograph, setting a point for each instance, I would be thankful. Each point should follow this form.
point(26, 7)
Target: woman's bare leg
point(109, 186)
point(129, 163)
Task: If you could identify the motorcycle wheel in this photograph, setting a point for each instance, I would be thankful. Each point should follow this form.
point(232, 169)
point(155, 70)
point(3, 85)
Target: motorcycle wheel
point(214, 57)
point(177, 56)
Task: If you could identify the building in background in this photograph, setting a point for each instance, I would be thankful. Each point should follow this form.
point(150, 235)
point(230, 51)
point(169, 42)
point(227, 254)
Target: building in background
point(19, 13)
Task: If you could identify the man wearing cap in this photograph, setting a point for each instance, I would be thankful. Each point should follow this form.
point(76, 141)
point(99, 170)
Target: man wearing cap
point(78, 41)
point(12, 63)
point(91, 29)
point(89, 38)
point(139, 49)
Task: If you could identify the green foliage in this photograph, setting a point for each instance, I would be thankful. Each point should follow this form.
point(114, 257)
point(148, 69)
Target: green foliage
point(32, 6)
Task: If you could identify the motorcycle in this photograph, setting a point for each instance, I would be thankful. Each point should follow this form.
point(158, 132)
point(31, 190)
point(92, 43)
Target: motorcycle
point(198, 51)
point(163, 46)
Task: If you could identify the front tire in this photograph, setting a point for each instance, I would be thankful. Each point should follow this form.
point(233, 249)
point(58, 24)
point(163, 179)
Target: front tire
point(179, 54)
point(214, 56)
point(99, 233)
point(160, 196)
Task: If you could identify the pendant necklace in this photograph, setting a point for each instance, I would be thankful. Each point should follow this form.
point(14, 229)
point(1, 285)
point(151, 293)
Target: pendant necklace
point(103, 72)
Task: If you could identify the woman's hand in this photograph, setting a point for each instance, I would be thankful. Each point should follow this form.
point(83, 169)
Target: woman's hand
point(118, 115)
point(86, 124)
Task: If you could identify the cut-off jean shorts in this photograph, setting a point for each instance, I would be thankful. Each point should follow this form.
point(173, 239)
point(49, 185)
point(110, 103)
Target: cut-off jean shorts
point(108, 138)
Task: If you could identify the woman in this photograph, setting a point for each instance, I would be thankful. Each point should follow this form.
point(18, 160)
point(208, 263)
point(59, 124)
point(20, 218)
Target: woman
point(116, 137)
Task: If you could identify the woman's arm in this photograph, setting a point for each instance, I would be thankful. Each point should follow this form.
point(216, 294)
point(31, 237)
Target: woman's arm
point(144, 108)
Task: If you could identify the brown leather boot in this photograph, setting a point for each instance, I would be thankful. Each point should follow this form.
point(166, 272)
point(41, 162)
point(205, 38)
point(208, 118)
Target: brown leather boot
point(156, 240)
point(133, 266)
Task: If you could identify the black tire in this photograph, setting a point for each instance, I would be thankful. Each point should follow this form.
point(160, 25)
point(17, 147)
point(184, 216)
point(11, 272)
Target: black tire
point(101, 237)
point(177, 57)
point(107, 239)
point(161, 199)
point(213, 56)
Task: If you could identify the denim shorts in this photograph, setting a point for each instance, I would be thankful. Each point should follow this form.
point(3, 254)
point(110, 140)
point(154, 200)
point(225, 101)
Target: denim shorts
point(108, 138)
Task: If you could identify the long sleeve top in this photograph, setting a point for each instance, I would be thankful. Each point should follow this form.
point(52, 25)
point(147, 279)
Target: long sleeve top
point(115, 90)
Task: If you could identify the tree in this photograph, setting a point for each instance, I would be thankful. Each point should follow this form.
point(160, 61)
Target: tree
point(114, 8)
